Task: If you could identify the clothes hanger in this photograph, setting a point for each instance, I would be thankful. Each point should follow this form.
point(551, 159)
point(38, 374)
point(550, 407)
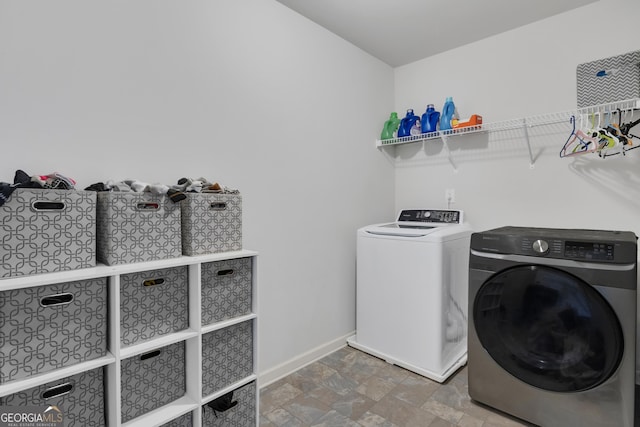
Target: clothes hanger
point(592, 130)
point(606, 137)
point(575, 144)
point(625, 128)
point(609, 144)
point(586, 137)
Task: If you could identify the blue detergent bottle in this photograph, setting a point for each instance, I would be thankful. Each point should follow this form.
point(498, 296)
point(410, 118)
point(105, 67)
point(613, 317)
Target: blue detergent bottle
point(407, 124)
point(430, 118)
point(448, 112)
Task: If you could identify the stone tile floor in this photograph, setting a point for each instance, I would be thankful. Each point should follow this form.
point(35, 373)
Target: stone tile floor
point(350, 388)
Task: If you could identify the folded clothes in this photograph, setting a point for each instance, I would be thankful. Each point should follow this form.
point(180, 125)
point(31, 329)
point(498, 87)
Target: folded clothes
point(55, 180)
point(175, 192)
point(22, 179)
point(189, 185)
point(131, 185)
point(202, 185)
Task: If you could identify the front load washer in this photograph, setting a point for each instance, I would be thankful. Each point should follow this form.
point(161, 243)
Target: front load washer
point(552, 325)
point(411, 291)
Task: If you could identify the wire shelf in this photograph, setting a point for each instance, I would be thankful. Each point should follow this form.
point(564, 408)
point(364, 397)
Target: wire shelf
point(527, 122)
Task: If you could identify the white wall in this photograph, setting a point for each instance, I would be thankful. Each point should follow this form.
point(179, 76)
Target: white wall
point(528, 71)
point(243, 92)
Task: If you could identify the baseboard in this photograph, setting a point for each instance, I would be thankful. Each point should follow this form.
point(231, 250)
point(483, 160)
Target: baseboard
point(274, 374)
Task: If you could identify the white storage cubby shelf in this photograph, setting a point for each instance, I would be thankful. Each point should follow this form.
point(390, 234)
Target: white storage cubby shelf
point(521, 123)
point(193, 400)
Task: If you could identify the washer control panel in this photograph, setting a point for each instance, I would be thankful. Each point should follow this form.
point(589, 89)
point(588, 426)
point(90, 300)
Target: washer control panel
point(588, 250)
point(567, 249)
point(431, 216)
point(603, 246)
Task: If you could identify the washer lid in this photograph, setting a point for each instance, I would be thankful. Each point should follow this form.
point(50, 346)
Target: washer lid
point(417, 223)
point(402, 229)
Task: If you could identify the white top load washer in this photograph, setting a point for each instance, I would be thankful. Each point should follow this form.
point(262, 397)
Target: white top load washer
point(412, 291)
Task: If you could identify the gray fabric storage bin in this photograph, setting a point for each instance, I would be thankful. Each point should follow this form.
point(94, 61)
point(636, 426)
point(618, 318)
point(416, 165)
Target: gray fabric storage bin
point(608, 80)
point(211, 223)
point(226, 289)
point(242, 414)
point(153, 303)
point(135, 227)
point(152, 380)
point(80, 397)
point(49, 327)
point(183, 421)
point(46, 230)
point(227, 356)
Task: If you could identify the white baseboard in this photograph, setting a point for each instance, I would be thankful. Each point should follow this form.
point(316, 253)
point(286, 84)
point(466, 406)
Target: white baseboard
point(274, 374)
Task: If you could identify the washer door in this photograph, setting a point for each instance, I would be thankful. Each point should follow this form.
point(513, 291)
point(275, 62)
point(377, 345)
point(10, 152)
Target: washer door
point(548, 328)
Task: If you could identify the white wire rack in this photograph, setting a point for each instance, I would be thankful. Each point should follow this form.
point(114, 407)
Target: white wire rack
point(528, 122)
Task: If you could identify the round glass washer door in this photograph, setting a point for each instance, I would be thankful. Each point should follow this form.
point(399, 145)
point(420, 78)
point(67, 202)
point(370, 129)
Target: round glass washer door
point(548, 328)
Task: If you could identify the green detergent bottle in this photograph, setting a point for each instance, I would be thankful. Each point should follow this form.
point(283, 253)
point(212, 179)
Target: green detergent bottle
point(390, 126)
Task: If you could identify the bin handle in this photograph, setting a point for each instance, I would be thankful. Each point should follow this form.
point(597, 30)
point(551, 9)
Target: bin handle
point(223, 403)
point(218, 206)
point(150, 355)
point(152, 282)
point(47, 206)
point(226, 272)
point(57, 391)
point(58, 299)
point(147, 206)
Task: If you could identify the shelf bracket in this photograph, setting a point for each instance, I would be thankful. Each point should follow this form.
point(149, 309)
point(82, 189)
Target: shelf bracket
point(526, 136)
point(445, 142)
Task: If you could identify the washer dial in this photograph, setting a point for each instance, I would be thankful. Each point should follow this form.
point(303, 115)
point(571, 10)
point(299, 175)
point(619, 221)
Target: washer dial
point(540, 246)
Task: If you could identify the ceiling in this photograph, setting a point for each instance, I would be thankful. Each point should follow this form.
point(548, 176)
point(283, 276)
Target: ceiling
point(399, 32)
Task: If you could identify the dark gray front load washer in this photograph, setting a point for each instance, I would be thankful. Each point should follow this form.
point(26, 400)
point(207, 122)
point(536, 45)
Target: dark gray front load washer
point(552, 325)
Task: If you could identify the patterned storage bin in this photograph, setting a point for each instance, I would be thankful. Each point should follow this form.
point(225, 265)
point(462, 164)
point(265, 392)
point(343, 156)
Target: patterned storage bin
point(211, 223)
point(234, 409)
point(608, 80)
point(153, 303)
point(183, 421)
point(48, 327)
point(226, 289)
point(135, 227)
point(227, 356)
point(47, 230)
point(152, 380)
point(79, 397)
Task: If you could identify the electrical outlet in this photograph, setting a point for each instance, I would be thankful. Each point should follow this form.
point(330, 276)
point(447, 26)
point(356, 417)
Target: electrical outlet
point(450, 195)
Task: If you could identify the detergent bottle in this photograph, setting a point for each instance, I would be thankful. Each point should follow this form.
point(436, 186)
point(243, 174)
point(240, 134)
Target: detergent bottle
point(390, 126)
point(448, 114)
point(429, 122)
point(409, 125)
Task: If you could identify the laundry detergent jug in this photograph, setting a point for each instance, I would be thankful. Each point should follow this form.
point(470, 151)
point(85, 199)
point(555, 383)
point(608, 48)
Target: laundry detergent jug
point(448, 113)
point(409, 125)
point(390, 126)
point(430, 118)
